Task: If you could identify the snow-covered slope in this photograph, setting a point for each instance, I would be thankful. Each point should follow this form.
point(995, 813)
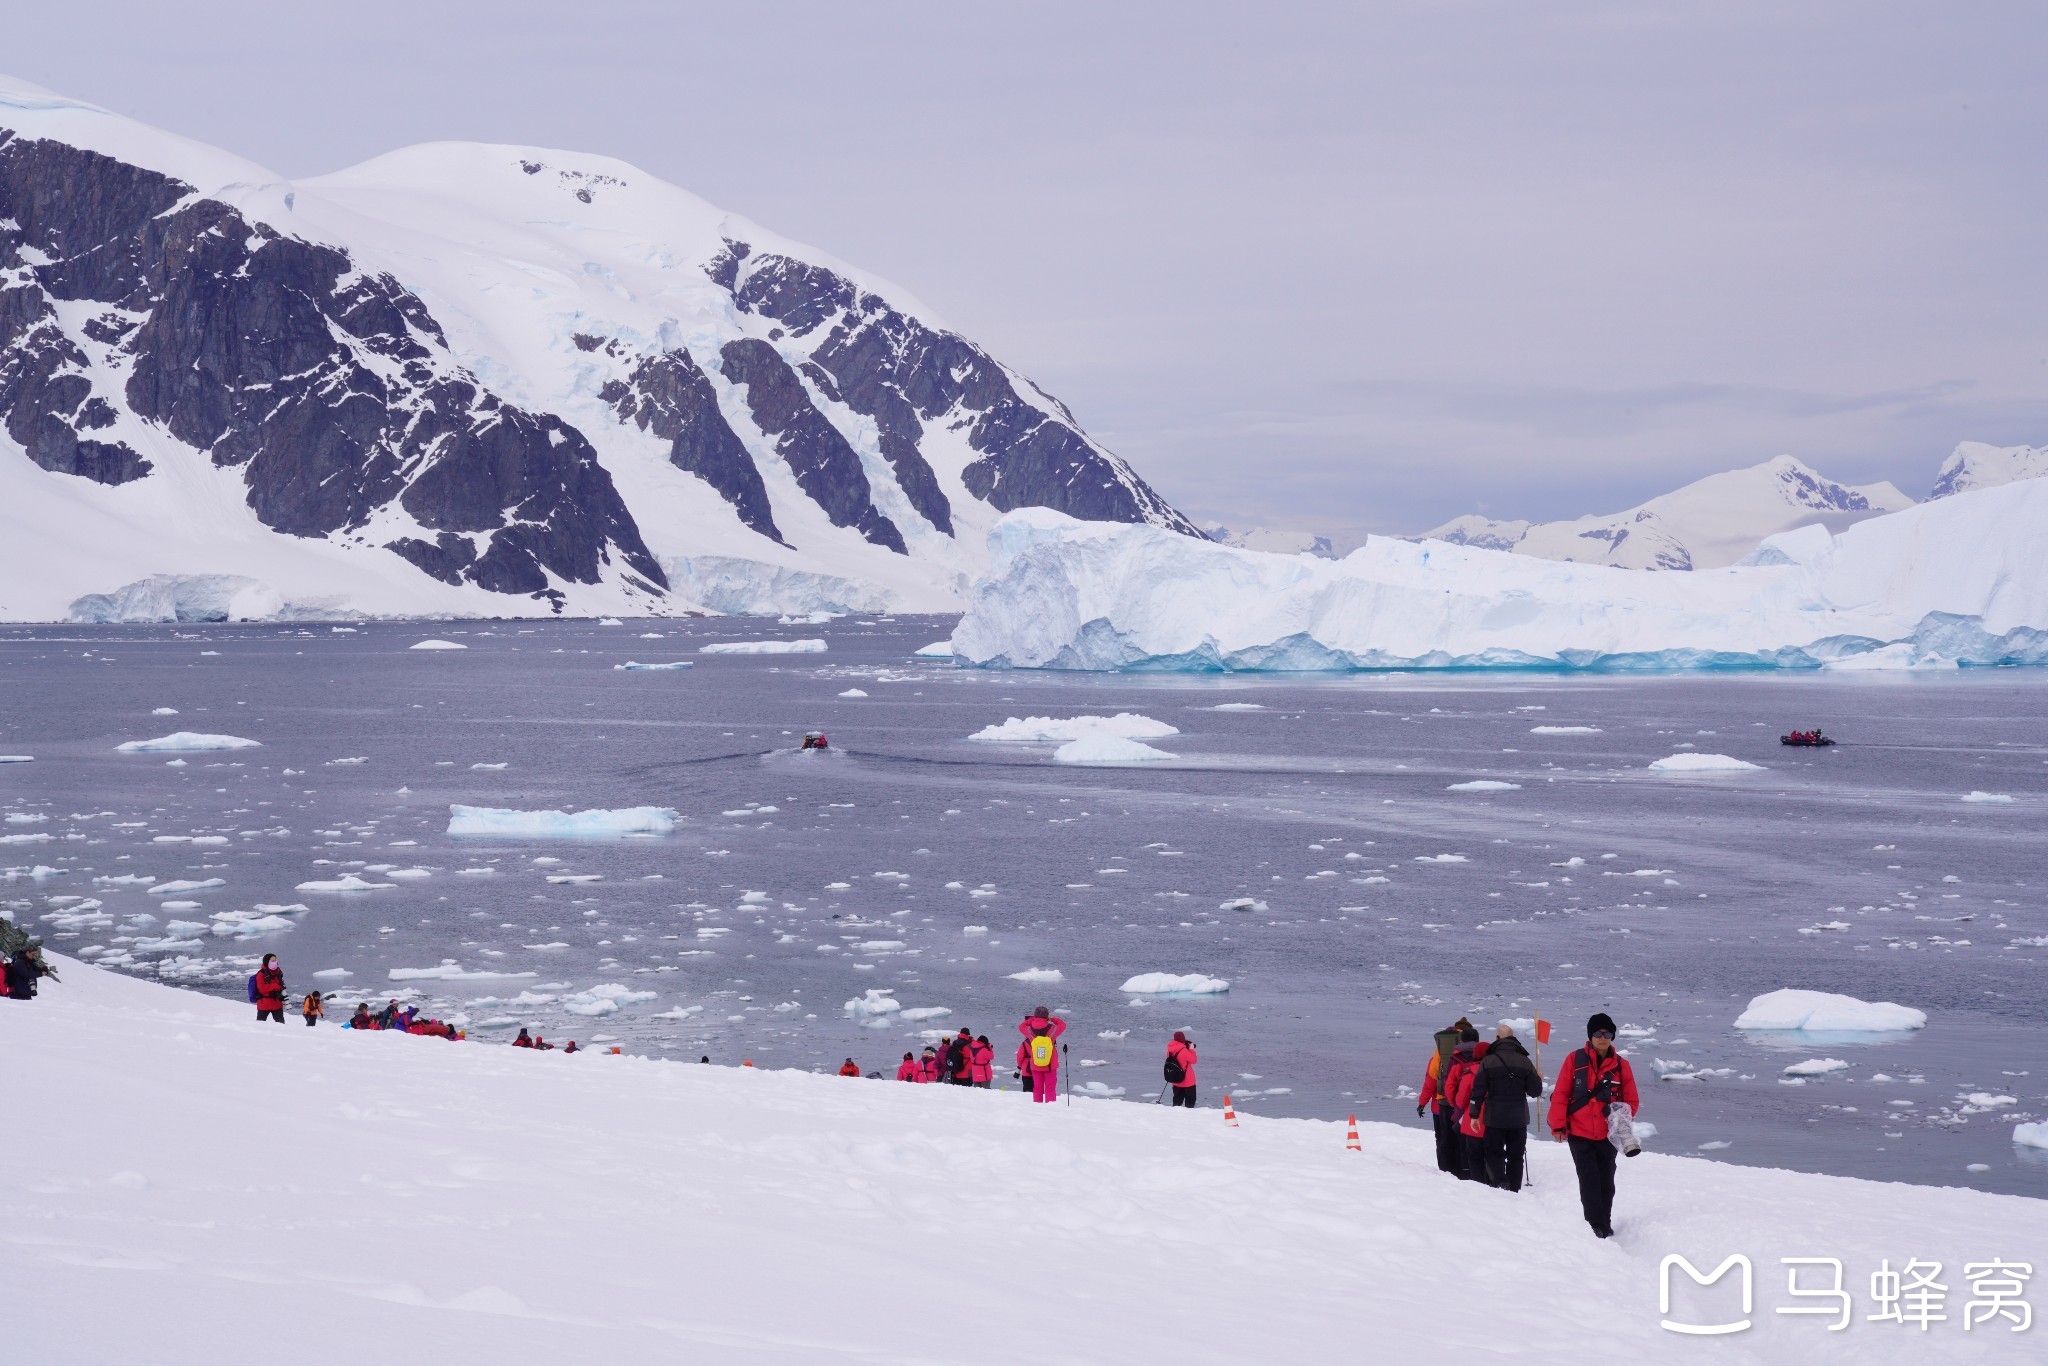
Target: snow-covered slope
point(1975, 465)
point(464, 378)
point(185, 1179)
point(1708, 524)
point(1964, 579)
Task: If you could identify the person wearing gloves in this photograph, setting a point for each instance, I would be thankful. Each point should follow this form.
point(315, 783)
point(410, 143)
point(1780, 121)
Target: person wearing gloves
point(1592, 1080)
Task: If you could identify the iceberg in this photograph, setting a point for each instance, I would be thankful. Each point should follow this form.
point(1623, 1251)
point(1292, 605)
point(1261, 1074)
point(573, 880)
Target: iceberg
point(1827, 1012)
point(1038, 975)
point(593, 824)
point(17, 758)
point(1049, 730)
point(876, 1001)
point(347, 882)
point(1167, 984)
point(1108, 749)
point(1964, 580)
point(198, 598)
point(2031, 1135)
point(1484, 785)
point(179, 888)
point(764, 647)
point(635, 666)
point(450, 971)
point(436, 645)
point(938, 649)
point(186, 742)
point(1986, 798)
point(1703, 763)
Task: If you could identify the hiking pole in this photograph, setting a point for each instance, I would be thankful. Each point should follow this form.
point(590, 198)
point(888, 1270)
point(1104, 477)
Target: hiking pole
point(1069, 1073)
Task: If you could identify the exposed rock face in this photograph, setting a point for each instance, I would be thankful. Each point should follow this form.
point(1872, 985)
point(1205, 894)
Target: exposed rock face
point(331, 390)
point(894, 369)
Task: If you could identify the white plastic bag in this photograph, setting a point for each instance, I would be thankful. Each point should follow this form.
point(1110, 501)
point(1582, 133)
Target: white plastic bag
point(1621, 1129)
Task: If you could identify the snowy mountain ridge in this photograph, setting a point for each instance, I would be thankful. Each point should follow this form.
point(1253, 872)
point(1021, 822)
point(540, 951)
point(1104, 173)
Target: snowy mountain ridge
point(466, 379)
point(1978, 465)
point(1707, 524)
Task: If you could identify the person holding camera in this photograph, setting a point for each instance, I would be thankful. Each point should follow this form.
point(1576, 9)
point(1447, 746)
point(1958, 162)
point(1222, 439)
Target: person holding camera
point(1593, 1081)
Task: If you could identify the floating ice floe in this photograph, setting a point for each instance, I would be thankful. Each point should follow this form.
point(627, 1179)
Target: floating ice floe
point(186, 742)
point(436, 645)
point(1564, 730)
point(635, 666)
point(1108, 749)
point(1441, 858)
point(1242, 903)
point(604, 999)
point(1826, 1012)
point(1484, 785)
point(592, 824)
point(1168, 984)
point(1051, 730)
point(1816, 1067)
point(17, 758)
point(347, 882)
point(1702, 763)
point(1038, 975)
point(938, 649)
point(2031, 1135)
point(36, 838)
point(1986, 798)
point(923, 1013)
point(182, 887)
point(1239, 706)
point(853, 692)
point(874, 1002)
point(764, 647)
point(1098, 1090)
point(333, 974)
point(451, 971)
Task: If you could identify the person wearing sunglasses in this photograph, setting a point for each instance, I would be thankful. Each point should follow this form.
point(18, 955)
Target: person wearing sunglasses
point(1592, 1080)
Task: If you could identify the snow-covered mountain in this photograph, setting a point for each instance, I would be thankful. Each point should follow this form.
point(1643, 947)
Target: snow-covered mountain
point(1975, 465)
point(463, 379)
point(1709, 523)
point(1275, 540)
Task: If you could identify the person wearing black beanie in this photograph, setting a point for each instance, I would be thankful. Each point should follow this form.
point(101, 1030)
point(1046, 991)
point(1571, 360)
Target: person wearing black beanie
point(1592, 1080)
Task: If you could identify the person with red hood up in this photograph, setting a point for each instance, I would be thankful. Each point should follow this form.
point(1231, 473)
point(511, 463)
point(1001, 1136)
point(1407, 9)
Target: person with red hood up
point(1041, 1053)
point(266, 989)
point(1465, 1059)
point(1180, 1069)
point(1592, 1080)
point(907, 1069)
point(928, 1065)
point(984, 1062)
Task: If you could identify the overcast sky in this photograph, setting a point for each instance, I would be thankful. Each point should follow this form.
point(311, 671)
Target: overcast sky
point(1345, 266)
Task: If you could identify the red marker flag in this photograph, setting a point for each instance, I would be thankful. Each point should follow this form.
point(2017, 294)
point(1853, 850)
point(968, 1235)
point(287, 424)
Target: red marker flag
point(1543, 1031)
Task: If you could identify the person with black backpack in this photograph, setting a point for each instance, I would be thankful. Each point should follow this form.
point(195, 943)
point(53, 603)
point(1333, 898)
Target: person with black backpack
point(1593, 1081)
point(1499, 1098)
point(1450, 1149)
point(266, 990)
point(1180, 1069)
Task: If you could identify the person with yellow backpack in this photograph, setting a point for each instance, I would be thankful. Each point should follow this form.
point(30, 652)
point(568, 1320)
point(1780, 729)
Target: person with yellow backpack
point(1041, 1031)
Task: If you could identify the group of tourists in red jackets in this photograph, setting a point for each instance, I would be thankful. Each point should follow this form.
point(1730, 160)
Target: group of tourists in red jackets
point(1478, 1092)
point(968, 1059)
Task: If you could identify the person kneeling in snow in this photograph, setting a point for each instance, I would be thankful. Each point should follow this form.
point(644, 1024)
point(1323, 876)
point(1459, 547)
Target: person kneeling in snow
point(849, 1068)
point(1593, 1079)
point(525, 1040)
point(907, 1069)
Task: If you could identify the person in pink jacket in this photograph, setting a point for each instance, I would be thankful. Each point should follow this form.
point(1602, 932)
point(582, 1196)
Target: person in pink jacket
point(1045, 1077)
point(928, 1065)
point(1182, 1052)
point(984, 1065)
point(907, 1069)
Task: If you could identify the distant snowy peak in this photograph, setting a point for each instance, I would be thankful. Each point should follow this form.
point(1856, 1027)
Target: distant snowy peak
point(1275, 540)
point(1975, 465)
point(461, 375)
point(1708, 524)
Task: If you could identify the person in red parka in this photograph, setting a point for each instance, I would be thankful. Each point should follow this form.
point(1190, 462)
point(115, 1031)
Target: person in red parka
point(849, 1068)
point(1181, 1051)
point(1042, 1060)
point(907, 1069)
point(928, 1065)
point(984, 1062)
point(1465, 1060)
point(1592, 1079)
point(267, 987)
point(1450, 1148)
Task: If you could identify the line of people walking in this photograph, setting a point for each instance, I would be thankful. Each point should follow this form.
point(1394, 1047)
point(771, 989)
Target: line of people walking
point(1478, 1092)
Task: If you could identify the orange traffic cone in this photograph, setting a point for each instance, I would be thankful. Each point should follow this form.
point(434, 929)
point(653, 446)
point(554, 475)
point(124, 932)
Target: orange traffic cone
point(1229, 1115)
point(1351, 1136)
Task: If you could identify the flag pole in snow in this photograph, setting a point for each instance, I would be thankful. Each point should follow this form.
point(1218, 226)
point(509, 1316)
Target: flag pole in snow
point(1542, 1033)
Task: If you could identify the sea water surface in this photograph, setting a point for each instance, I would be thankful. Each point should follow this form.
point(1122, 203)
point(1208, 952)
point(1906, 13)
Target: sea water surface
point(932, 871)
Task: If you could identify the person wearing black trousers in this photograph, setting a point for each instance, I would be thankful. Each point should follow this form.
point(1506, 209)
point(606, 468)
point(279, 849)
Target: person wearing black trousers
point(1506, 1082)
point(1592, 1079)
